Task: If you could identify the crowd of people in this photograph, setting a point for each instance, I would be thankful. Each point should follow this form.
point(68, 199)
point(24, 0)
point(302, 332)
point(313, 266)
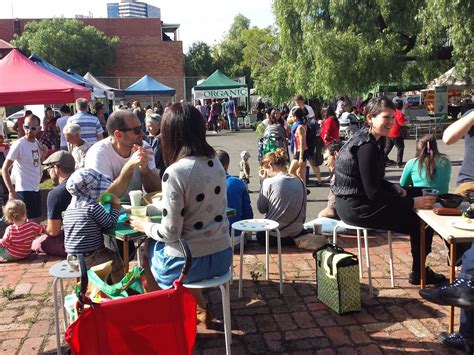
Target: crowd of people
point(88, 155)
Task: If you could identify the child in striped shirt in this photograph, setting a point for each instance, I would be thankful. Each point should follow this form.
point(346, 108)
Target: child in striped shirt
point(85, 219)
point(18, 237)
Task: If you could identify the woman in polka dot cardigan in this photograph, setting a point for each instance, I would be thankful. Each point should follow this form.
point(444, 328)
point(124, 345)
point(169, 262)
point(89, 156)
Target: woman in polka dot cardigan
point(194, 206)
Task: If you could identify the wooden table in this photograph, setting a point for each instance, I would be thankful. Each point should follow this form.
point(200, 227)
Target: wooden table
point(452, 235)
point(125, 233)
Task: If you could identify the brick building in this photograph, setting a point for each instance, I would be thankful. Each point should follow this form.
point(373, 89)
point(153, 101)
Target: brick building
point(144, 48)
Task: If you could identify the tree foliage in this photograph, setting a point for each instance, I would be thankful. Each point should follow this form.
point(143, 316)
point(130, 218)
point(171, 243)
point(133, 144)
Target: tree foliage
point(68, 43)
point(198, 60)
point(332, 47)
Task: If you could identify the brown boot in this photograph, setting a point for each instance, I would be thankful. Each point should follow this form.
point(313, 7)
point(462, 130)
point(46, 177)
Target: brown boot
point(204, 317)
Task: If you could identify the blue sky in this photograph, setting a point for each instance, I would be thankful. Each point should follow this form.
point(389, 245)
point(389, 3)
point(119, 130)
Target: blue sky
point(202, 20)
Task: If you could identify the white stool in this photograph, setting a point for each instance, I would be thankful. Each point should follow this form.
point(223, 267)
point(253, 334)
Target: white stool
point(247, 122)
point(223, 283)
point(240, 122)
point(253, 226)
point(342, 224)
point(60, 271)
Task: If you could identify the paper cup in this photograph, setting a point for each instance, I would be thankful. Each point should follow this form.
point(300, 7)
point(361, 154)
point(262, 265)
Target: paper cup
point(317, 228)
point(430, 192)
point(139, 211)
point(135, 198)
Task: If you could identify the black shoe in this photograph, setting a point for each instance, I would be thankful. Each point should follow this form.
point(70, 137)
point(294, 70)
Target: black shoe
point(456, 341)
point(307, 192)
point(390, 162)
point(460, 294)
point(432, 278)
point(400, 165)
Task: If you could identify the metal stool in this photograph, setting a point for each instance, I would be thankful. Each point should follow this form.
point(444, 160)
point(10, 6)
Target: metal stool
point(60, 271)
point(342, 224)
point(223, 283)
point(253, 226)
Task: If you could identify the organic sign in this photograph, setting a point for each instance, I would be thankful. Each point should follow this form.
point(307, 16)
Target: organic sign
point(220, 93)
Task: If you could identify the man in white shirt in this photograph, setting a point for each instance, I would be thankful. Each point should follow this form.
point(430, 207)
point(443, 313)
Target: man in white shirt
point(124, 156)
point(25, 156)
point(91, 130)
point(61, 123)
point(299, 103)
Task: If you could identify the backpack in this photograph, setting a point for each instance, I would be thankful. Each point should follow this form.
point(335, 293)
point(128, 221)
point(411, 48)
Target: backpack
point(273, 138)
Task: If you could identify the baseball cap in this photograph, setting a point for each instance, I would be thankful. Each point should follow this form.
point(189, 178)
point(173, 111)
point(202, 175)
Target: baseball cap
point(61, 158)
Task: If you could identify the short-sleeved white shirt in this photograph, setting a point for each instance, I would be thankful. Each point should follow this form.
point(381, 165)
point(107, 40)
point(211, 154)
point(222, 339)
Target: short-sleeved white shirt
point(26, 156)
point(103, 158)
point(60, 124)
point(308, 108)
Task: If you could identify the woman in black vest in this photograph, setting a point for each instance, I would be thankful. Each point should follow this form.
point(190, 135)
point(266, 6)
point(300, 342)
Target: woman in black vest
point(364, 198)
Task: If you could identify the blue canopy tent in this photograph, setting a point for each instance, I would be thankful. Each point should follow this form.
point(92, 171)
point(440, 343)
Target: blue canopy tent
point(148, 86)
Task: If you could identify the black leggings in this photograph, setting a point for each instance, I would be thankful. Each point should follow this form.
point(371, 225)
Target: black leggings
point(389, 217)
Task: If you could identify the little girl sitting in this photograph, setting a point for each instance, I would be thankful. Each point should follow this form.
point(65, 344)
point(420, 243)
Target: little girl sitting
point(85, 218)
point(18, 237)
point(430, 168)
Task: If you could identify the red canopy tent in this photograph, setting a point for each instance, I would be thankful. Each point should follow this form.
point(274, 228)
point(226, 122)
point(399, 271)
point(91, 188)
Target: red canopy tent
point(23, 82)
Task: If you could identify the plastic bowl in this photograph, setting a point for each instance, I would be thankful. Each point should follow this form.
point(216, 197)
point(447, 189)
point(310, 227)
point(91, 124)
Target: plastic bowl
point(450, 200)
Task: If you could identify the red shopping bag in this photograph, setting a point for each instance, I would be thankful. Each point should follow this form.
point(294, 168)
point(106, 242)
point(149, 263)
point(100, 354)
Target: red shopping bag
point(160, 322)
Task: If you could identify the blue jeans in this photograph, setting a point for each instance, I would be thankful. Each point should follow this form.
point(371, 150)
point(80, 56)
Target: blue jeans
point(467, 316)
point(232, 121)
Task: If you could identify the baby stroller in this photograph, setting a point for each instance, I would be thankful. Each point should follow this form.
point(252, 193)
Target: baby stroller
point(160, 322)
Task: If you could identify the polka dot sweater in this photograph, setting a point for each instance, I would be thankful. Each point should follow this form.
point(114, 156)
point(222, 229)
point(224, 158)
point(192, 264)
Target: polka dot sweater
point(194, 207)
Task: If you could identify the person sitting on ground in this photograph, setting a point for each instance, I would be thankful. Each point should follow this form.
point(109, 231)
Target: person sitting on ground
point(330, 157)
point(430, 168)
point(77, 146)
point(153, 126)
point(19, 235)
point(61, 123)
point(365, 199)
point(282, 198)
point(60, 166)
point(237, 194)
point(194, 208)
point(91, 130)
point(85, 219)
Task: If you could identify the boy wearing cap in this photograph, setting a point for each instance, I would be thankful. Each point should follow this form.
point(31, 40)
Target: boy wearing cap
point(85, 218)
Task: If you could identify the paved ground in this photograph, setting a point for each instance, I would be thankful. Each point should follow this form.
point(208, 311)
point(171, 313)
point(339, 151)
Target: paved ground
point(395, 321)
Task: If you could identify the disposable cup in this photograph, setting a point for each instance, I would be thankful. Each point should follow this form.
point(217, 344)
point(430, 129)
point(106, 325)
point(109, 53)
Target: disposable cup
point(135, 198)
point(139, 211)
point(430, 192)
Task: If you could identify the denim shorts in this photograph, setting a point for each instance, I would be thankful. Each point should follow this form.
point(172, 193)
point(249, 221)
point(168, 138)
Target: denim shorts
point(166, 269)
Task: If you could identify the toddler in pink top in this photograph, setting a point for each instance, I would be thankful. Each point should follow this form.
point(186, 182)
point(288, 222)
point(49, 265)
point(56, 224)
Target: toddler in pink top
point(18, 237)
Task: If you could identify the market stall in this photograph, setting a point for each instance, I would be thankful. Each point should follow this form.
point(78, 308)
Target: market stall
point(148, 86)
point(219, 86)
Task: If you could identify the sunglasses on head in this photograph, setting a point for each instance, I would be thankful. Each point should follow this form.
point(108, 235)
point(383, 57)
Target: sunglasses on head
point(32, 128)
point(135, 130)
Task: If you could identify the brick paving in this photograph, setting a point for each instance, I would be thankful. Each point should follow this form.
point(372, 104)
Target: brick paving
point(396, 320)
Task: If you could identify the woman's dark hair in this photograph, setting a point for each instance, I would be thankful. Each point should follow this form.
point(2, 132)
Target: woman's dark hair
point(328, 112)
point(183, 134)
point(427, 154)
point(273, 118)
point(399, 104)
point(377, 105)
point(299, 114)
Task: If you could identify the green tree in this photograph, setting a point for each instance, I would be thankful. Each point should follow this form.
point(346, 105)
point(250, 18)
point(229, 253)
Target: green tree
point(332, 47)
point(198, 60)
point(68, 43)
point(228, 54)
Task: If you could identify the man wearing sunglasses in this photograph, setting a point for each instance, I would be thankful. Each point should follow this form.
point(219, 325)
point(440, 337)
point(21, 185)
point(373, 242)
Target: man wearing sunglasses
point(124, 156)
point(25, 156)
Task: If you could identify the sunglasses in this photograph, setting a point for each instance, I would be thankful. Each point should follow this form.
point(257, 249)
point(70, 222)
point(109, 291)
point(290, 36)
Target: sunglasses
point(137, 130)
point(32, 128)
